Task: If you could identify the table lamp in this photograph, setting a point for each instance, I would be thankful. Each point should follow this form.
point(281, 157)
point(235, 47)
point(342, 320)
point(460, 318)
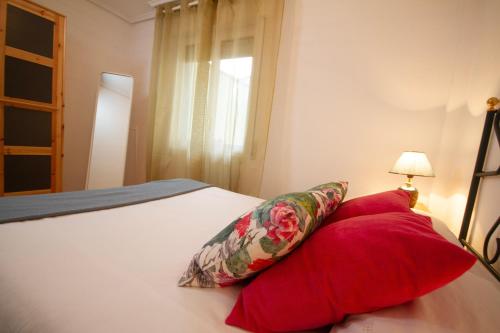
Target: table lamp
point(412, 163)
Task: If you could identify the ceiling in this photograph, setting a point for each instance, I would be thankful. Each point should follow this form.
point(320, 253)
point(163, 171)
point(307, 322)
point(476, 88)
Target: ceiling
point(132, 11)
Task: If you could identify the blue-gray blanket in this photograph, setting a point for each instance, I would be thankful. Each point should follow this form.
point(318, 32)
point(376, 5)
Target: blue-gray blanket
point(31, 207)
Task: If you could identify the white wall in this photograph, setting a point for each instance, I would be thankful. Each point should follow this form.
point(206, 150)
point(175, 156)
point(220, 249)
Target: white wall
point(358, 83)
point(141, 54)
point(476, 78)
point(96, 41)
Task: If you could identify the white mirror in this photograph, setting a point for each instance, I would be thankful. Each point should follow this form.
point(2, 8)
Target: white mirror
point(108, 150)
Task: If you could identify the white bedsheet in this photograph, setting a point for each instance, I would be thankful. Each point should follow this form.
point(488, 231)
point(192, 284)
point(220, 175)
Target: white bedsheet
point(116, 270)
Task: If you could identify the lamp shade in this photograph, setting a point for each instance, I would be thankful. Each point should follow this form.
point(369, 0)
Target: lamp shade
point(413, 163)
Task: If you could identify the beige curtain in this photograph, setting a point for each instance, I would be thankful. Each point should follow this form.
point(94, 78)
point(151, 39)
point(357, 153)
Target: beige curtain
point(212, 85)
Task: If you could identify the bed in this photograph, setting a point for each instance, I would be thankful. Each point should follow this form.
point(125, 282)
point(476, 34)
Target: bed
point(116, 270)
point(66, 267)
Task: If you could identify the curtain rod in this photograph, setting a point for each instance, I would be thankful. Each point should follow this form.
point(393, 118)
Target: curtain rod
point(155, 3)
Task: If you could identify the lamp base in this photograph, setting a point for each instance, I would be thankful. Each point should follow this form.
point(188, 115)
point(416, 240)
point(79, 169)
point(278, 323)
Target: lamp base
point(413, 194)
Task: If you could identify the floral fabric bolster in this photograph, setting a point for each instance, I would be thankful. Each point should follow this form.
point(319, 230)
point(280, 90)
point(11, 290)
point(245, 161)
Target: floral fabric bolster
point(262, 236)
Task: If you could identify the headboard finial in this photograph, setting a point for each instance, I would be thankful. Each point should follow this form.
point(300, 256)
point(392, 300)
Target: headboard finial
point(492, 101)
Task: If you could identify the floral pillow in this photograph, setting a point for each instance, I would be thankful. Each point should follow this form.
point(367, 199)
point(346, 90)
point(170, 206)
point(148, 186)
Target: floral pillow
point(262, 236)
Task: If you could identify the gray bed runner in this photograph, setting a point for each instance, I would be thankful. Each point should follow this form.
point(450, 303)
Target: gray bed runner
point(31, 207)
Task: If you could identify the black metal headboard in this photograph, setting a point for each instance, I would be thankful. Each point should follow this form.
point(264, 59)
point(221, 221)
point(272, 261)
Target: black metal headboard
point(492, 121)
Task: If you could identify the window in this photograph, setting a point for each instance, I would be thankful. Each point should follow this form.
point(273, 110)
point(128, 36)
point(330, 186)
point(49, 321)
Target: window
point(232, 102)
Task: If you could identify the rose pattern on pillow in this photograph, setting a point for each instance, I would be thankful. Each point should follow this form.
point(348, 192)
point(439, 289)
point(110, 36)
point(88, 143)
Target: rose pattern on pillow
point(283, 223)
point(262, 236)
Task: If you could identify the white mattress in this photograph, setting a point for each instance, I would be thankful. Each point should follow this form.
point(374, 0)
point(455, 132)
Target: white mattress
point(116, 271)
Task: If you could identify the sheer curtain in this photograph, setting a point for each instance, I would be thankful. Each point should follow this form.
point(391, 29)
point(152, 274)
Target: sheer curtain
point(212, 84)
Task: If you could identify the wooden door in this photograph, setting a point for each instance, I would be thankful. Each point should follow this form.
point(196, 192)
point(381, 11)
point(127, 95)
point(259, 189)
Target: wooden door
point(31, 98)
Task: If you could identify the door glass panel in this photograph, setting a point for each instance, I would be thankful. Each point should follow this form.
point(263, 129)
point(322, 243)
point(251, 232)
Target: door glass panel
point(27, 80)
point(29, 32)
point(26, 173)
point(27, 127)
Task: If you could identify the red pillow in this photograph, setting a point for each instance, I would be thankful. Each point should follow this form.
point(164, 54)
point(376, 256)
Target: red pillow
point(383, 202)
point(353, 266)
